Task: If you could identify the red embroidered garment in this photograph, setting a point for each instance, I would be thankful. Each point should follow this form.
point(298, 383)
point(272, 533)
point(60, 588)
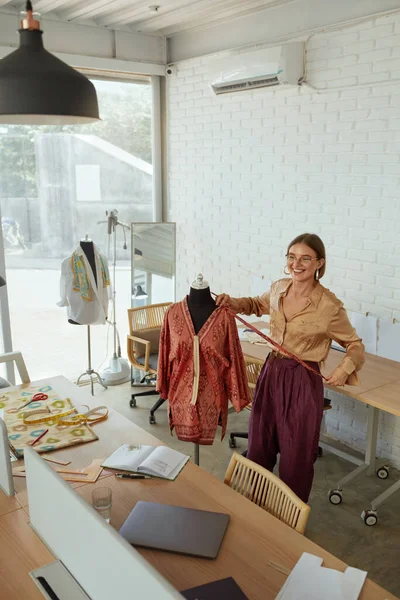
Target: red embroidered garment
point(199, 373)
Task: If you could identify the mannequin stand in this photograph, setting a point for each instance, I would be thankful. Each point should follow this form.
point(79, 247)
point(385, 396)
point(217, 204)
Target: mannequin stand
point(89, 371)
point(197, 454)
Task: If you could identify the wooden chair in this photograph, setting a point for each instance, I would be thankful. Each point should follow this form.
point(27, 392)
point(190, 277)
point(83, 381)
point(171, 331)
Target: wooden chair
point(19, 361)
point(267, 491)
point(142, 346)
point(253, 370)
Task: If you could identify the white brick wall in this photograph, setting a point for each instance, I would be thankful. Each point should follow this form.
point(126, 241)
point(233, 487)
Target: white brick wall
point(249, 171)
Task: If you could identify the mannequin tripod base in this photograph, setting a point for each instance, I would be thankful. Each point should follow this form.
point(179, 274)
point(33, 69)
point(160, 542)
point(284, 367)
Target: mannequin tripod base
point(91, 374)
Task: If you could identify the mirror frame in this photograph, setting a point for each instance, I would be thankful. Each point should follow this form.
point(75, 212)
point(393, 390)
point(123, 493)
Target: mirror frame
point(135, 264)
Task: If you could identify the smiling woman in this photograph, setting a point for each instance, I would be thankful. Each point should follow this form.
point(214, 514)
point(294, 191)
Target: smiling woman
point(304, 317)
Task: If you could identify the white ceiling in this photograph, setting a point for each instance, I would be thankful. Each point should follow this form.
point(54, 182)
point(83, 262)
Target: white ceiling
point(173, 16)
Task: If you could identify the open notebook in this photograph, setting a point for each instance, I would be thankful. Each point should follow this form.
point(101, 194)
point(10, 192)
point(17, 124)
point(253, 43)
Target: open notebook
point(159, 461)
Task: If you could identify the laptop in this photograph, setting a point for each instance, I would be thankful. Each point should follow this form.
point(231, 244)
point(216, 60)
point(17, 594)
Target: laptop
point(175, 529)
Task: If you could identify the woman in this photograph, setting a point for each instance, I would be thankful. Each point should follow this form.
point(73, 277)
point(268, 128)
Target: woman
point(304, 317)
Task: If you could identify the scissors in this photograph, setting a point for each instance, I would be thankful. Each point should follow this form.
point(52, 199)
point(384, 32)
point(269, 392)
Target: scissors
point(35, 398)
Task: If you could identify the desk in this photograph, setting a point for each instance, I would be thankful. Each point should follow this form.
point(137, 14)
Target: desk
point(253, 537)
point(379, 390)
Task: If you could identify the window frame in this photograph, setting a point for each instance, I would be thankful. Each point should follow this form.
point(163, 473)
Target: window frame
point(143, 76)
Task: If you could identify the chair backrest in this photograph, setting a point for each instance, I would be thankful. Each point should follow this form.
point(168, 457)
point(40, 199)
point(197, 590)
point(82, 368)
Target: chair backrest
point(147, 317)
point(19, 361)
point(267, 491)
point(253, 370)
point(150, 335)
point(145, 323)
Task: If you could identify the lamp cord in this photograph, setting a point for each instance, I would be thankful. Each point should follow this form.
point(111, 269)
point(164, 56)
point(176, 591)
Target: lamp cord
point(29, 6)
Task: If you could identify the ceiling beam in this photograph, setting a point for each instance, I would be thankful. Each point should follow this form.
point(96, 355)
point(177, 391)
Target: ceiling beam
point(109, 48)
point(272, 25)
point(125, 16)
point(45, 6)
point(205, 13)
point(93, 9)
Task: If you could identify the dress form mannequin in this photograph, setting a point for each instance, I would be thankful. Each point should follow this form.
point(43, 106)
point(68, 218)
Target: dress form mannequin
point(200, 302)
point(201, 306)
point(87, 247)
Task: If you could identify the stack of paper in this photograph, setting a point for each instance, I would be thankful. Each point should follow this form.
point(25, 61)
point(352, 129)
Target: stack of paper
point(310, 581)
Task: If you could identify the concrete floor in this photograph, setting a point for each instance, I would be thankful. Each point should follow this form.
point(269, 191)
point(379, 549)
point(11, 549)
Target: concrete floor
point(338, 529)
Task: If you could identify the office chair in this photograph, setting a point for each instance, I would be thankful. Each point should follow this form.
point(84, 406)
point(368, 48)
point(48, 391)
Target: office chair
point(267, 491)
point(142, 347)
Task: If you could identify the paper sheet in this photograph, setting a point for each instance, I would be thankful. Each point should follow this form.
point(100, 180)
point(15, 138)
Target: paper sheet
point(389, 339)
point(310, 581)
point(367, 329)
point(249, 335)
point(259, 285)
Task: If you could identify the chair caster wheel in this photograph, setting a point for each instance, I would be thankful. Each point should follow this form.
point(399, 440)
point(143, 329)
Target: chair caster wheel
point(370, 517)
point(152, 420)
point(232, 443)
point(320, 452)
point(383, 472)
point(335, 497)
point(132, 403)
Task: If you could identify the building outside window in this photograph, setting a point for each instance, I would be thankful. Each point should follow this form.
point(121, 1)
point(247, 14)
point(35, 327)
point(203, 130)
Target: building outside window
point(56, 184)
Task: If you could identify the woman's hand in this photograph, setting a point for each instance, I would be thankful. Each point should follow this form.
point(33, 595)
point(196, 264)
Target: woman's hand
point(223, 300)
point(338, 377)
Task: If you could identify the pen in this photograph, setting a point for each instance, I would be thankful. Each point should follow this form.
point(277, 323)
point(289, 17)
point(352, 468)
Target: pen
point(131, 476)
point(38, 438)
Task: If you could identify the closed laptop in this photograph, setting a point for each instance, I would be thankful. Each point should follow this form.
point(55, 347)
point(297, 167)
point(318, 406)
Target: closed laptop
point(175, 529)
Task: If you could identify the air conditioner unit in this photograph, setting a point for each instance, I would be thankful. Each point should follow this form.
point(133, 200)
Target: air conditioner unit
point(281, 65)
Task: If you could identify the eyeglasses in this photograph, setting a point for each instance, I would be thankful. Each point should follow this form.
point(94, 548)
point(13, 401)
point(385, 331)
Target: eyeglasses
point(303, 260)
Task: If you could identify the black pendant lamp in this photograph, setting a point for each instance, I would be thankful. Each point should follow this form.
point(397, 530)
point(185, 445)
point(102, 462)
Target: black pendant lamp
point(36, 88)
point(139, 293)
point(2, 281)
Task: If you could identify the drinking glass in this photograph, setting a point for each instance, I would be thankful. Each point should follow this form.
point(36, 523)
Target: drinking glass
point(101, 501)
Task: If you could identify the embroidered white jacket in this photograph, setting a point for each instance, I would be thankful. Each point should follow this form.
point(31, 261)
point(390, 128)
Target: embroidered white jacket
point(85, 312)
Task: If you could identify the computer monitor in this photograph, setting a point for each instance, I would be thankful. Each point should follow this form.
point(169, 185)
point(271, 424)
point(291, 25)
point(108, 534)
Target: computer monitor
point(102, 562)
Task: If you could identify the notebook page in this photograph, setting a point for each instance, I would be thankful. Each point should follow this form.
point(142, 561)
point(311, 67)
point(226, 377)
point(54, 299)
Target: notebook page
point(128, 457)
point(163, 462)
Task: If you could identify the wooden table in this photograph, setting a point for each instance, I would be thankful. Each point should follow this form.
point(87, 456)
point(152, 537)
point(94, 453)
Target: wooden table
point(252, 540)
point(379, 390)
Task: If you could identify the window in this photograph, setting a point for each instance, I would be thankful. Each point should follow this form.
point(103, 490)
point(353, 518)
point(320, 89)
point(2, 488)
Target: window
point(56, 184)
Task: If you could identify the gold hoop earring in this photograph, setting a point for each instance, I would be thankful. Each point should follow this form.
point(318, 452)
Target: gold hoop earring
point(284, 270)
point(317, 275)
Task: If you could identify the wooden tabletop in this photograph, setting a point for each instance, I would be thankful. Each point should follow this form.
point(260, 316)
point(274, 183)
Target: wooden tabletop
point(21, 551)
point(386, 397)
point(376, 373)
point(252, 540)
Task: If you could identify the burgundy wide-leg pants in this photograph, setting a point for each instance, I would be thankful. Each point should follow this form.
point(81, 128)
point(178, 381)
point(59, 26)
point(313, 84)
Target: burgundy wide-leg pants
point(286, 418)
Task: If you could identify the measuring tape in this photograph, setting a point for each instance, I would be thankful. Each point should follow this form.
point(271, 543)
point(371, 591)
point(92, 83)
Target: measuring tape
point(272, 342)
point(67, 418)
